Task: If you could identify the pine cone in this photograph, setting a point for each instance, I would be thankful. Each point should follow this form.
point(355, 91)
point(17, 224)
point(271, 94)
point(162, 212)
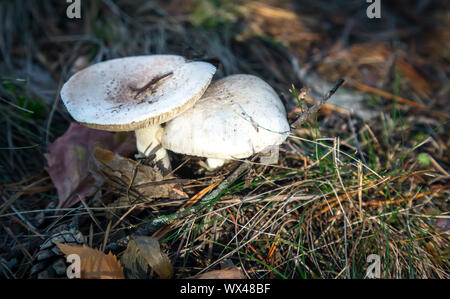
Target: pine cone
point(50, 261)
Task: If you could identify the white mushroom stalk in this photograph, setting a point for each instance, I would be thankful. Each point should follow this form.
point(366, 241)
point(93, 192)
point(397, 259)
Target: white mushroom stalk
point(148, 141)
point(136, 94)
point(237, 116)
point(214, 163)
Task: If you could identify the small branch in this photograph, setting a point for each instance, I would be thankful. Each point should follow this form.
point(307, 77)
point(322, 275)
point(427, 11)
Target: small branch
point(313, 110)
point(149, 84)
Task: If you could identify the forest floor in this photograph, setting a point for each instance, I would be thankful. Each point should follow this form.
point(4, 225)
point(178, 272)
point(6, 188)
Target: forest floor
point(367, 176)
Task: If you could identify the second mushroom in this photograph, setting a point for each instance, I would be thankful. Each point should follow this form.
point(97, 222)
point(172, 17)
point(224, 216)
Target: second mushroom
point(236, 117)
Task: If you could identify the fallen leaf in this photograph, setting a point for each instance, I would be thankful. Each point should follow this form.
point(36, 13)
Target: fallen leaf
point(68, 160)
point(134, 264)
point(131, 177)
point(417, 82)
point(94, 263)
point(280, 23)
point(231, 273)
point(143, 252)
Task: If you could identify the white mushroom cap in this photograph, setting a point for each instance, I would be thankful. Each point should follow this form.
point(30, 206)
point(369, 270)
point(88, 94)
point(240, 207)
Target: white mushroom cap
point(236, 117)
point(103, 96)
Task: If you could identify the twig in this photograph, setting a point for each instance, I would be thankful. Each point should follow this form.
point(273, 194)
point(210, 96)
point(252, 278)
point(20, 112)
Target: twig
point(123, 216)
point(177, 254)
point(313, 110)
point(90, 213)
point(105, 240)
point(149, 84)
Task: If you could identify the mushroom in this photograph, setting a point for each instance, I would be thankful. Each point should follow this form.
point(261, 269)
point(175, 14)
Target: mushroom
point(136, 94)
point(236, 117)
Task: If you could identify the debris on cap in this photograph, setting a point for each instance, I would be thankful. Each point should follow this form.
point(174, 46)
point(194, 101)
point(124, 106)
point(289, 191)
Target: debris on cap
point(114, 96)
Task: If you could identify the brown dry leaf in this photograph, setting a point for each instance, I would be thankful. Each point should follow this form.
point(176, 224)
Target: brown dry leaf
point(280, 21)
point(142, 252)
point(131, 176)
point(283, 24)
point(417, 82)
point(231, 273)
point(368, 62)
point(364, 62)
point(68, 160)
point(94, 263)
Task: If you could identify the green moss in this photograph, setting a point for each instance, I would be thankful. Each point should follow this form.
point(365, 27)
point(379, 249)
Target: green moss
point(213, 13)
point(423, 159)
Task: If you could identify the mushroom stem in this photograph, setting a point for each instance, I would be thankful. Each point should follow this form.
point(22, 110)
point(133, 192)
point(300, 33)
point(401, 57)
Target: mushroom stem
point(147, 141)
point(214, 163)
